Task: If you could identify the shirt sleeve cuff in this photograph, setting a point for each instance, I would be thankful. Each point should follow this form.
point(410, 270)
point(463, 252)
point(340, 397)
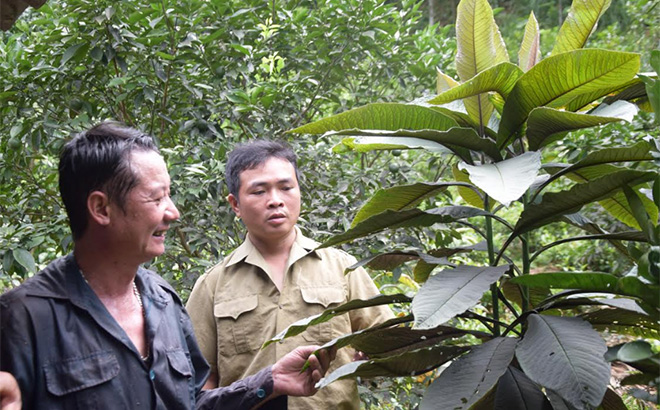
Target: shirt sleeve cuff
point(243, 394)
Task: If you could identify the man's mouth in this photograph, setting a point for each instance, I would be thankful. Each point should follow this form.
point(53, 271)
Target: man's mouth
point(160, 233)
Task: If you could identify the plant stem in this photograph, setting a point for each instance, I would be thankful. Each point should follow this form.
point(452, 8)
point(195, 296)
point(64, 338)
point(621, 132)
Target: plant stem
point(491, 260)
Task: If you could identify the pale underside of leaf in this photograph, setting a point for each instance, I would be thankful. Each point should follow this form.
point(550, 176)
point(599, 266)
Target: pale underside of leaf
point(508, 180)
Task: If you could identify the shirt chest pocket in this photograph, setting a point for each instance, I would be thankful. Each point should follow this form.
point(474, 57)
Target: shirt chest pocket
point(78, 381)
point(318, 299)
point(238, 324)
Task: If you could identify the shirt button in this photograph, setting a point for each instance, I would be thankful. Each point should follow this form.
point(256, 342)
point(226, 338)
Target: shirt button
point(279, 306)
point(261, 393)
point(152, 374)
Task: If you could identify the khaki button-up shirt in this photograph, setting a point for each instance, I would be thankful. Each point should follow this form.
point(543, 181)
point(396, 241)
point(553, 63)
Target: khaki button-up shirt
point(235, 307)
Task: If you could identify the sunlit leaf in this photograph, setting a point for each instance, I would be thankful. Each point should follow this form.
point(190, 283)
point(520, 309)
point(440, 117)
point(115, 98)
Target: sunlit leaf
point(381, 116)
point(557, 80)
point(479, 46)
point(579, 24)
point(444, 82)
point(530, 49)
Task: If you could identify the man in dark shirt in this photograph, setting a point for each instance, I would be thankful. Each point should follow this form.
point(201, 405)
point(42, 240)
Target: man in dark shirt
point(94, 330)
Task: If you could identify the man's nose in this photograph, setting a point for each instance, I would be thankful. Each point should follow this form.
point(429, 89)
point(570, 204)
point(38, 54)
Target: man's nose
point(172, 213)
point(275, 200)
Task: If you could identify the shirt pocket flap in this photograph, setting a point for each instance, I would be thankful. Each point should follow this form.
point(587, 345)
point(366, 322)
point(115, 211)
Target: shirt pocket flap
point(325, 296)
point(81, 372)
point(179, 362)
point(235, 307)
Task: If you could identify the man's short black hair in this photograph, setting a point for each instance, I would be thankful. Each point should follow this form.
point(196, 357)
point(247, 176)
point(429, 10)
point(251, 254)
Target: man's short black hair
point(253, 154)
point(99, 160)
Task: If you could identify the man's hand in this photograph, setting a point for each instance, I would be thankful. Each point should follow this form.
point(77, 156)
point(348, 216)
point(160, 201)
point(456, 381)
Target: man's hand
point(288, 378)
point(10, 394)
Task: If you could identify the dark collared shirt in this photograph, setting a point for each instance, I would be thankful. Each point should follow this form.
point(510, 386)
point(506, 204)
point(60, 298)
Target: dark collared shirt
point(67, 352)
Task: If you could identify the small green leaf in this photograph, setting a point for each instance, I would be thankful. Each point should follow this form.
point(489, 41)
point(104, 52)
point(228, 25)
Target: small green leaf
point(70, 52)
point(25, 259)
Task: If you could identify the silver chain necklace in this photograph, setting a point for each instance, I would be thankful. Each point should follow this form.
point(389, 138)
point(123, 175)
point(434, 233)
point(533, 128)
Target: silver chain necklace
point(138, 297)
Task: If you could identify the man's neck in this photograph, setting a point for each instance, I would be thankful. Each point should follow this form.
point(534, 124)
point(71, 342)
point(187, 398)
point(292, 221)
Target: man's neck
point(106, 275)
point(274, 247)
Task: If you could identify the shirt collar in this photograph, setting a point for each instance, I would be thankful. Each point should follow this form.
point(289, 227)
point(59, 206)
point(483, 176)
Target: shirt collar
point(302, 246)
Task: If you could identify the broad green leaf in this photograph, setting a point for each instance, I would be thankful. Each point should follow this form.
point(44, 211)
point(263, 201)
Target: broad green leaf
point(380, 141)
point(629, 91)
point(508, 180)
point(399, 198)
point(623, 322)
point(515, 391)
point(591, 282)
point(556, 204)
point(479, 46)
point(405, 364)
point(470, 377)
point(459, 140)
point(25, 259)
point(565, 354)
point(579, 24)
point(381, 116)
point(405, 219)
point(500, 78)
point(557, 80)
point(547, 125)
point(473, 196)
point(513, 293)
point(444, 82)
point(617, 205)
point(530, 49)
point(638, 152)
point(302, 324)
point(645, 223)
point(452, 291)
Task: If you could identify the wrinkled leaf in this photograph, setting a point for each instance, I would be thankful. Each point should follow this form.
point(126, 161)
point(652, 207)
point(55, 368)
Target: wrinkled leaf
point(565, 354)
point(470, 377)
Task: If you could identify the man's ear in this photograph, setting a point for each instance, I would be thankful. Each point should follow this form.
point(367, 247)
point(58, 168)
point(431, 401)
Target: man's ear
point(233, 201)
point(98, 207)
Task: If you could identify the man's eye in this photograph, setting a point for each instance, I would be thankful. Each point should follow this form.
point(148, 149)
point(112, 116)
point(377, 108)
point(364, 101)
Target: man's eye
point(258, 192)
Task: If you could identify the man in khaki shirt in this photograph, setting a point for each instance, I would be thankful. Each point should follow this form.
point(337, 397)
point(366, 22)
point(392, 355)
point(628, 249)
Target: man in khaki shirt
point(274, 279)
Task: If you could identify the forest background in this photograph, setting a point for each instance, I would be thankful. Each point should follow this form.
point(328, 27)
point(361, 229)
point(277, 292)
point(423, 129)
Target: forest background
point(202, 76)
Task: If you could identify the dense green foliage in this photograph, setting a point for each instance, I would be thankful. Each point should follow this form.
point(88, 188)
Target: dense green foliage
point(203, 75)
